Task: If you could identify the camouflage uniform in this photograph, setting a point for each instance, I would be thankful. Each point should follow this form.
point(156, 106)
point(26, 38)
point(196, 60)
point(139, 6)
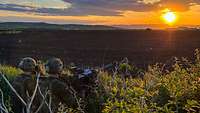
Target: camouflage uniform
point(23, 84)
point(59, 91)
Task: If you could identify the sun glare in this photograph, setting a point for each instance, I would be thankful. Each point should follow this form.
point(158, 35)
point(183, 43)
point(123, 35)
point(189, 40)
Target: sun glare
point(169, 17)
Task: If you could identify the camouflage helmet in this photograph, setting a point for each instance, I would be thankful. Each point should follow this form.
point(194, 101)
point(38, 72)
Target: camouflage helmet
point(27, 64)
point(54, 66)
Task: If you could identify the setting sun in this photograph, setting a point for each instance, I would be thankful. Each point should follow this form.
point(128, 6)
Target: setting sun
point(169, 17)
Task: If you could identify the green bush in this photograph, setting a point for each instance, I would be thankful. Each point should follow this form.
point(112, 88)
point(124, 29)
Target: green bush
point(177, 90)
point(10, 73)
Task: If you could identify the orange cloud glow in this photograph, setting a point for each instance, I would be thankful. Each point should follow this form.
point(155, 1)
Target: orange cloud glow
point(190, 17)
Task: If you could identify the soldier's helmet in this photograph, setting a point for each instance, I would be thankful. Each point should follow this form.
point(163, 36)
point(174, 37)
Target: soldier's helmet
point(54, 66)
point(27, 64)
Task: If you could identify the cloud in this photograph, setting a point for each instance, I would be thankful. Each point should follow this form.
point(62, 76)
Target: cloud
point(14, 7)
point(178, 5)
point(84, 7)
point(114, 6)
point(102, 7)
point(132, 5)
point(57, 4)
point(149, 1)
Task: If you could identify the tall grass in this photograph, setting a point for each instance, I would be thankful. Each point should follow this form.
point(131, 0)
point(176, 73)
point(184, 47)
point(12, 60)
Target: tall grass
point(10, 73)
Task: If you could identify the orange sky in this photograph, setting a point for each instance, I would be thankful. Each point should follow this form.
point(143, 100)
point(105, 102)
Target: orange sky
point(188, 17)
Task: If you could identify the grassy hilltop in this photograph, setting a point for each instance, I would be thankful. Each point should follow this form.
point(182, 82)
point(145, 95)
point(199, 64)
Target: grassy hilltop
point(159, 92)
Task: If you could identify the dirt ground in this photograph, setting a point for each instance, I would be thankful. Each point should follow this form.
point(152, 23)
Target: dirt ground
point(94, 48)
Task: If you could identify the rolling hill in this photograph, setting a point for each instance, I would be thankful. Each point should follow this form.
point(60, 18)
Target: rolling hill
point(30, 25)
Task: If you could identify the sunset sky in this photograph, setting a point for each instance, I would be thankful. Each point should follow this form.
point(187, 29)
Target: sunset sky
point(108, 12)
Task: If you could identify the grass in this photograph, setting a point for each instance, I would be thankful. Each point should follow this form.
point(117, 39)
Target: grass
point(10, 73)
point(174, 91)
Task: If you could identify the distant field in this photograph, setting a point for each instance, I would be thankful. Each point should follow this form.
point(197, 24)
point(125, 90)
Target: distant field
point(142, 47)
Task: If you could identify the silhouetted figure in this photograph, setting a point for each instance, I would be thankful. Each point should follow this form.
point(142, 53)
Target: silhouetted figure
point(59, 91)
point(23, 84)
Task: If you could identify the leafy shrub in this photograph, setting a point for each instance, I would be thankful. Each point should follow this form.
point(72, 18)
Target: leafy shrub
point(10, 73)
point(175, 90)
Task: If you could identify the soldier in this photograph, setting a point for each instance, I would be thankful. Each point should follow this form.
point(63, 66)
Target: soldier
point(59, 90)
point(23, 84)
